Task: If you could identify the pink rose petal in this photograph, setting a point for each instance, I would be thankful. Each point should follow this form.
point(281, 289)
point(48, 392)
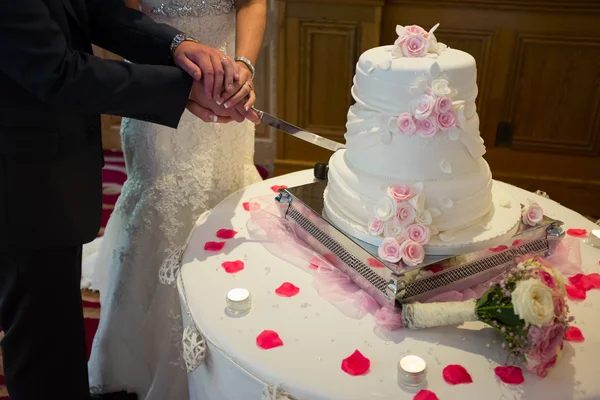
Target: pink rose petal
point(226, 233)
point(575, 293)
point(517, 242)
point(573, 334)
point(374, 263)
point(577, 232)
point(232, 267)
point(268, 340)
point(498, 249)
point(456, 374)
point(287, 290)
point(356, 364)
point(277, 188)
point(509, 374)
point(425, 395)
point(314, 263)
point(214, 246)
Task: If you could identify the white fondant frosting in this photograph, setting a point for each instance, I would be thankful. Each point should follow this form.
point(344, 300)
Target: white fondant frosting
point(414, 124)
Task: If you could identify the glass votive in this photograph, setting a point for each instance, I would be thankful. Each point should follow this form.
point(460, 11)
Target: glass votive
point(412, 371)
point(239, 301)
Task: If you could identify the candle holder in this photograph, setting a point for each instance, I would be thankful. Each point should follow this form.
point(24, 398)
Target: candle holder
point(412, 371)
point(239, 301)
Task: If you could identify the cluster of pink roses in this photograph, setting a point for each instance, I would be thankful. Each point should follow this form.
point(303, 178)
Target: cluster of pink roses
point(414, 41)
point(402, 220)
point(430, 113)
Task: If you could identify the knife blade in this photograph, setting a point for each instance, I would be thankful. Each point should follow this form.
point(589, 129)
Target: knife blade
point(301, 134)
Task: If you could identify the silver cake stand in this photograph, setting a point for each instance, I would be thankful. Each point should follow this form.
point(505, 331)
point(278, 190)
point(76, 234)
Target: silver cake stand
point(395, 284)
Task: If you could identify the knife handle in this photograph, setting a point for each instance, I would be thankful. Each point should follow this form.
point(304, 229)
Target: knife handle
point(321, 171)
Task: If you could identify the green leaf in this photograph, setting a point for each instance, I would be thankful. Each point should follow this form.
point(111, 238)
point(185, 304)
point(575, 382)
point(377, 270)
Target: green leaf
point(485, 298)
point(506, 316)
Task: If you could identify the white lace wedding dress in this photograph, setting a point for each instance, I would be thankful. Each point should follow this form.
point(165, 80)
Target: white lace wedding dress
point(173, 177)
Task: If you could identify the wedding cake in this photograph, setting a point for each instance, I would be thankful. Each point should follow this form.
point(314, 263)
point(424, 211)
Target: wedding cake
point(412, 179)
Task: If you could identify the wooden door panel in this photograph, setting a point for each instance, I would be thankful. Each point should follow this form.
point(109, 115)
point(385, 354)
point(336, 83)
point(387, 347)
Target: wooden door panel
point(554, 95)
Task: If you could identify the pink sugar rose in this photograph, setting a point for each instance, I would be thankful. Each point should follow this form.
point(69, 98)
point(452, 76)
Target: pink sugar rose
point(405, 214)
point(533, 215)
point(415, 45)
point(401, 192)
point(406, 124)
point(545, 343)
point(443, 104)
point(446, 120)
point(423, 107)
point(412, 253)
point(415, 30)
point(375, 226)
point(392, 228)
point(428, 127)
point(417, 233)
point(559, 306)
point(389, 250)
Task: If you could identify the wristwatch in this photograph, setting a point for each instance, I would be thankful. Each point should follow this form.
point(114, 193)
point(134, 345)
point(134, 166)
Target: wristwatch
point(248, 64)
point(177, 40)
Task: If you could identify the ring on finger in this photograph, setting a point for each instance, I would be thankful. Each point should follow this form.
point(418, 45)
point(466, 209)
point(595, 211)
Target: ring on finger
point(223, 58)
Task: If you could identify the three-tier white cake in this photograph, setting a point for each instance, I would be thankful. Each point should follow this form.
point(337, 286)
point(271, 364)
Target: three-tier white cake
point(412, 179)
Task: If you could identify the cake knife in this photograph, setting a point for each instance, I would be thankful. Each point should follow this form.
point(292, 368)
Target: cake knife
point(298, 132)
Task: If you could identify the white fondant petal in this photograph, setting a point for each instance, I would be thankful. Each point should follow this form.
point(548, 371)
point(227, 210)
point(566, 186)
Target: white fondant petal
point(506, 203)
point(434, 28)
point(418, 187)
point(397, 52)
point(446, 167)
point(486, 225)
point(446, 202)
point(435, 212)
point(433, 230)
point(371, 68)
point(454, 133)
point(445, 237)
point(424, 218)
point(435, 70)
point(399, 30)
point(385, 64)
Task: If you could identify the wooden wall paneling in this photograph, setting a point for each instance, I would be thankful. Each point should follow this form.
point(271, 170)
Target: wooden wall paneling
point(542, 81)
point(323, 41)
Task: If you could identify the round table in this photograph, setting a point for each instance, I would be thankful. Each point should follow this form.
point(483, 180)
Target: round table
point(317, 336)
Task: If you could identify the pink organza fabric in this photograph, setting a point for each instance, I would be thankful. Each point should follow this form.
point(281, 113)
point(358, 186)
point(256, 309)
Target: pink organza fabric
point(277, 235)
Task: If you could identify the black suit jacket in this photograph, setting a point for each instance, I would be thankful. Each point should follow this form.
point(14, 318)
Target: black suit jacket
point(52, 91)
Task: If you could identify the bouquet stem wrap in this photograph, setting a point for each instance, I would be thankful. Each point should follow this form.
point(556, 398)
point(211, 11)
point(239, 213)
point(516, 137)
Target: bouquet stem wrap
point(429, 315)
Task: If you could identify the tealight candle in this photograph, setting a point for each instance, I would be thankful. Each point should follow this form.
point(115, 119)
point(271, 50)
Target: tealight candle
point(239, 301)
point(412, 371)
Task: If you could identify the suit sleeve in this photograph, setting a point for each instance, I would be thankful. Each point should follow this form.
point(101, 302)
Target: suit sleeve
point(34, 54)
point(129, 33)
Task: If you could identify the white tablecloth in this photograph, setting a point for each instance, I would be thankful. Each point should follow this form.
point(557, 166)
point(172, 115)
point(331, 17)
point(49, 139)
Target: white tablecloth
point(317, 336)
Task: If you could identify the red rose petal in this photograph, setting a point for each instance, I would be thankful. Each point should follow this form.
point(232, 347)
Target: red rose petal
point(374, 263)
point(277, 188)
point(575, 293)
point(232, 267)
point(586, 282)
point(577, 232)
point(268, 340)
point(573, 334)
point(314, 263)
point(434, 268)
point(356, 364)
point(425, 395)
point(498, 249)
point(214, 246)
point(517, 242)
point(226, 233)
point(287, 290)
point(509, 374)
point(246, 206)
point(456, 374)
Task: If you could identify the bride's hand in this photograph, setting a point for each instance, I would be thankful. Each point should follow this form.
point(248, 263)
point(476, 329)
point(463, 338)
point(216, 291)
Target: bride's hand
point(245, 93)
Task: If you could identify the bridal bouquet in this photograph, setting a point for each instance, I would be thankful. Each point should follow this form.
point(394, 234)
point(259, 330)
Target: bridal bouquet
point(527, 307)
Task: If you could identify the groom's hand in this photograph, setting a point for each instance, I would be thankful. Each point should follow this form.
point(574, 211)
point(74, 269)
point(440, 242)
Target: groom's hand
point(209, 111)
point(203, 62)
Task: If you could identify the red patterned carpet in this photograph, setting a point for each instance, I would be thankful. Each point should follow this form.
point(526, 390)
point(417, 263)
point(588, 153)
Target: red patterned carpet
point(113, 177)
